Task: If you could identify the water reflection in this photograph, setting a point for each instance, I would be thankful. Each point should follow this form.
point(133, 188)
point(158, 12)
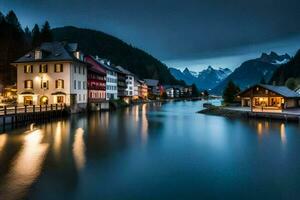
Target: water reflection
point(79, 149)
point(282, 133)
point(26, 167)
point(3, 139)
point(144, 124)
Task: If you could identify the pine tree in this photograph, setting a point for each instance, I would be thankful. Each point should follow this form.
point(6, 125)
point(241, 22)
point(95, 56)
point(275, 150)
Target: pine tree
point(27, 35)
point(12, 19)
point(46, 33)
point(195, 91)
point(1, 17)
point(36, 36)
point(230, 92)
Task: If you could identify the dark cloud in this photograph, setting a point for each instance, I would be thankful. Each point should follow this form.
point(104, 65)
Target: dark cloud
point(172, 29)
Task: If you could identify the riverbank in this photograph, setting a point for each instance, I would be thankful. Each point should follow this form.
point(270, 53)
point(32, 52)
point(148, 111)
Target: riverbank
point(235, 113)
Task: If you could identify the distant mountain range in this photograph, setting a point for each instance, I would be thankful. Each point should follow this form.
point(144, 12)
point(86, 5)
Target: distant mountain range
point(206, 79)
point(252, 71)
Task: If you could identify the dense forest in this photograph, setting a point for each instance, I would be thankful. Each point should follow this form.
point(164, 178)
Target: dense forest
point(16, 41)
point(289, 73)
point(118, 52)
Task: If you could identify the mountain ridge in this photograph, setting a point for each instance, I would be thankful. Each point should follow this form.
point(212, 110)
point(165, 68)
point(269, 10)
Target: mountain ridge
point(204, 80)
point(106, 46)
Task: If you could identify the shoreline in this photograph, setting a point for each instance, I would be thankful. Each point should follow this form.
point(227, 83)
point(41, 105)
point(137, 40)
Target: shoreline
point(222, 111)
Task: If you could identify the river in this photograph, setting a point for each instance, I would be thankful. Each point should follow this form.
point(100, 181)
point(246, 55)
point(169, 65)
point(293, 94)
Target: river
point(151, 151)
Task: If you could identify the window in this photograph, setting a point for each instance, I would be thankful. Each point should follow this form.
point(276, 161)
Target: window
point(59, 84)
point(38, 54)
point(75, 70)
point(79, 85)
point(43, 68)
point(45, 84)
point(79, 69)
point(58, 68)
point(60, 99)
point(28, 84)
point(74, 84)
point(28, 69)
point(79, 97)
point(83, 70)
point(84, 85)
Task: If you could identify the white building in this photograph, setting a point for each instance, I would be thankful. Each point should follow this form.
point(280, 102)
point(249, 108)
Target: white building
point(52, 74)
point(131, 84)
point(111, 79)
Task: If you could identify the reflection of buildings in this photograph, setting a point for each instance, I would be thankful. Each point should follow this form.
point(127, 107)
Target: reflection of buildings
point(79, 149)
point(263, 128)
point(26, 167)
point(3, 139)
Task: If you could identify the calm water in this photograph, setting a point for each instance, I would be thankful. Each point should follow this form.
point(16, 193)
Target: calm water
point(159, 151)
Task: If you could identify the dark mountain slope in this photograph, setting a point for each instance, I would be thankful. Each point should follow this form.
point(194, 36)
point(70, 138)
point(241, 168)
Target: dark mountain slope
point(109, 47)
point(252, 71)
point(289, 70)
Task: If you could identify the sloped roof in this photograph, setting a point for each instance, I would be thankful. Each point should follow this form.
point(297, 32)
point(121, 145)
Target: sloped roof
point(103, 64)
point(281, 90)
point(52, 51)
point(125, 71)
point(151, 82)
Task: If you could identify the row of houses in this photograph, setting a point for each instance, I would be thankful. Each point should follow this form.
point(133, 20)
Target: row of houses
point(59, 73)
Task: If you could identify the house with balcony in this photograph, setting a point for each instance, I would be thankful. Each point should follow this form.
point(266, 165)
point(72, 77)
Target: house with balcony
point(53, 73)
point(130, 83)
point(111, 78)
point(96, 79)
point(262, 97)
point(154, 87)
point(142, 90)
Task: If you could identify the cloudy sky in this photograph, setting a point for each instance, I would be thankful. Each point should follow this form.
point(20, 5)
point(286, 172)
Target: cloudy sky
point(182, 33)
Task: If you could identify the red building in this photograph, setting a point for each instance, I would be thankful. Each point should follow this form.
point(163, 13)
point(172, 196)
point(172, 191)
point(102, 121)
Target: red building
point(96, 82)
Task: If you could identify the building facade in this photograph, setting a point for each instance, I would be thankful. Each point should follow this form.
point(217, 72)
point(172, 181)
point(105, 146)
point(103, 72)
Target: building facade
point(96, 79)
point(154, 87)
point(142, 90)
point(53, 73)
point(111, 79)
point(268, 97)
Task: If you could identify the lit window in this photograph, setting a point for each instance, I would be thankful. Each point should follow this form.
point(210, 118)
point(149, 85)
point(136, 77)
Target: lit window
point(28, 84)
point(60, 99)
point(59, 84)
point(43, 68)
point(28, 69)
point(58, 68)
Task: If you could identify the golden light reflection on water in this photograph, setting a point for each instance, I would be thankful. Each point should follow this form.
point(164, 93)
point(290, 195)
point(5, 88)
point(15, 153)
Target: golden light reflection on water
point(57, 139)
point(144, 124)
point(79, 149)
point(26, 167)
point(3, 139)
point(282, 133)
point(259, 128)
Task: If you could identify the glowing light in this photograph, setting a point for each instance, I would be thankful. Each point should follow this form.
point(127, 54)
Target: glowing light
point(259, 128)
point(3, 139)
point(79, 149)
point(26, 167)
point(282, 133)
